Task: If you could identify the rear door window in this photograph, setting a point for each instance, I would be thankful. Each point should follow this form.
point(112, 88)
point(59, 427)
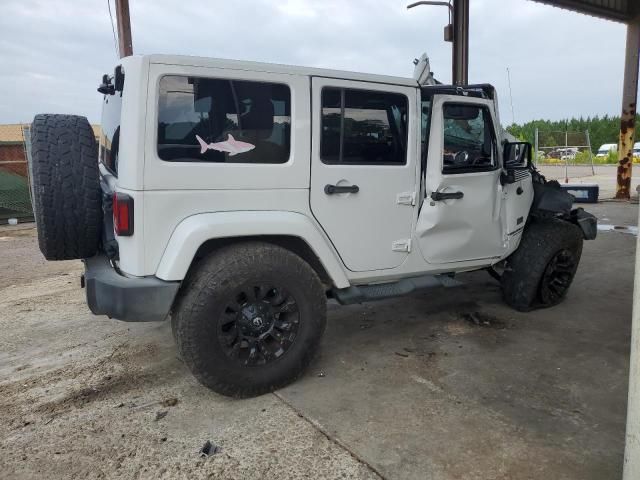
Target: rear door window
point(224, 121)
point(361, 127)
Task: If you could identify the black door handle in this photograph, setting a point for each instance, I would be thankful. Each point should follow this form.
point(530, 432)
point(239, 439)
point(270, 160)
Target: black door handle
point(331, 189)
point(438, 196)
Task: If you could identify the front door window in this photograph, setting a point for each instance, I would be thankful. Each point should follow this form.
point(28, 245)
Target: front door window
point(469, 142)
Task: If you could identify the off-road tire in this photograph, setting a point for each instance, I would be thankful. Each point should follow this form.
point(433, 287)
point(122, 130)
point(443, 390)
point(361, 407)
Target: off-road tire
point(525, 269)
point(65, 186)
point(200, 306)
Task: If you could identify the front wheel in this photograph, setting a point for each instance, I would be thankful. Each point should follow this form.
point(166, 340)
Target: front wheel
point(539, 273)
point(250, 319)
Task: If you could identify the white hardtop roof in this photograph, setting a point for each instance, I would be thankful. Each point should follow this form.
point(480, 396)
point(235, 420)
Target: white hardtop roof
point(277, 68)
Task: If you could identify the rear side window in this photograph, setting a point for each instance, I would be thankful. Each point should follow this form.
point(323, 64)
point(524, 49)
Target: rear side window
point(109, 138)
point(361, 127)
point(224, 121)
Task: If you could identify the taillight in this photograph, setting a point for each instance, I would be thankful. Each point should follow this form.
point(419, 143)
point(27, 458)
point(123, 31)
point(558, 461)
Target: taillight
point(122, 214)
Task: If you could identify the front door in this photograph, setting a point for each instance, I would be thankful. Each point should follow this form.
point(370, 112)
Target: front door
point(462, 216)
point(363, 170)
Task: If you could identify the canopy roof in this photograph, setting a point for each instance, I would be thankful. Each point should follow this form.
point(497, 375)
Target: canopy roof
point(617, 10)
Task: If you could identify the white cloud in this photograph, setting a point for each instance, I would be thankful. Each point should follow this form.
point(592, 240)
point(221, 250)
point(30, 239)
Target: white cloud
point(562, 64)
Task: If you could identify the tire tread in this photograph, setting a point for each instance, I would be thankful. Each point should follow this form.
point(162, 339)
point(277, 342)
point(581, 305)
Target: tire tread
point(541, 240)
point(208, 279)
point(66, 194)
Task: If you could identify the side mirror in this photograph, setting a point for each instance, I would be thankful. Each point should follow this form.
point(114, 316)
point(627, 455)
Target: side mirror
point(517, 155)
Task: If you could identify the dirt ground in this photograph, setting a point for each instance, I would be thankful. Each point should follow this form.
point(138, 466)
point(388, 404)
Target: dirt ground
point(447, 384)
point(88, 397)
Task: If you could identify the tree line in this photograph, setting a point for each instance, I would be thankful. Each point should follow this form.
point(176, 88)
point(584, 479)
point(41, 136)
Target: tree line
point(602, 130)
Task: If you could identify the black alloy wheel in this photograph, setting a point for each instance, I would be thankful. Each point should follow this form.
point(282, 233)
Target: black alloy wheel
point(249, 318)
point(557, 277)
point(259, 324)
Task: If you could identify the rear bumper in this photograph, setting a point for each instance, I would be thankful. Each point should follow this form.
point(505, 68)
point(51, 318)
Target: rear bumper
point(146, 299)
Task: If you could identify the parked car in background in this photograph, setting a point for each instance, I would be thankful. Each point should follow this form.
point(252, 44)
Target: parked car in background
point(636, 149)
point(568, 153)
point(563, 153)
point(607, 148)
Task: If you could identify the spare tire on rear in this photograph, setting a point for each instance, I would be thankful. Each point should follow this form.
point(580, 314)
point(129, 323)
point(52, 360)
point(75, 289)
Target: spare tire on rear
point(65, 186)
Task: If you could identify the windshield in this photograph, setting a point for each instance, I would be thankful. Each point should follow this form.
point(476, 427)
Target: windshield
point(110, 131)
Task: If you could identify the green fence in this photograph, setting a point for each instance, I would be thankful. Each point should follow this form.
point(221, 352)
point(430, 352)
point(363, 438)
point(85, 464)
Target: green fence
point(15, 200)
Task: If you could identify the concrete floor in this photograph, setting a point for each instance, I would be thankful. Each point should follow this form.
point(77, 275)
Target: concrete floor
point(404, 388)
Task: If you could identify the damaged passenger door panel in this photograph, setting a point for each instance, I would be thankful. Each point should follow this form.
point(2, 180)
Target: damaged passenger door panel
point(462, 213)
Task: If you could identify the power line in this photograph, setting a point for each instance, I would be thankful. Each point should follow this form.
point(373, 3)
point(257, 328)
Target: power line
point(113, 29)
point(513, 115)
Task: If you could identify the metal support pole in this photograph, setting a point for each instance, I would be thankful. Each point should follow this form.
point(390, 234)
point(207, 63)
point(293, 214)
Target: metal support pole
point(125, 44)
point(628, 117)
point(536, 147)
point(593, 169)
point(566, 157)
point(460, 42)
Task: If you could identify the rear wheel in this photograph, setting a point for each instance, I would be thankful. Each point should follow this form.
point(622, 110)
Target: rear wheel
point(250, 319)
point(539, 273)
point(65, 186)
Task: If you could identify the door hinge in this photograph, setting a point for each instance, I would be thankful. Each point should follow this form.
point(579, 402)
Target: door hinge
point(401, 245)
point(406, 198)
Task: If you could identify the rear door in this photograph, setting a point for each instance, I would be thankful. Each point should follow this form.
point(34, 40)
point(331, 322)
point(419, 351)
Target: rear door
point(462, 217)
point(363, 169)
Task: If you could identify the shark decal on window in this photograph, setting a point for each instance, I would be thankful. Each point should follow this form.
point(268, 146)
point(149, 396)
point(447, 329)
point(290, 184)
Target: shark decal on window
point(230, 145)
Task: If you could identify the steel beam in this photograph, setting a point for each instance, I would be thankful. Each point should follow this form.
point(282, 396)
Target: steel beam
point(460, 42)
point(629, 108)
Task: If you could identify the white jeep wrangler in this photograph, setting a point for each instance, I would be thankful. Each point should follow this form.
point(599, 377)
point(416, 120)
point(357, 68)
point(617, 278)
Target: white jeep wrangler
point(237, 197)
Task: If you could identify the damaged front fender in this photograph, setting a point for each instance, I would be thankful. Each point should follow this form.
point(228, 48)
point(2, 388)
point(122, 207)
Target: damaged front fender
point(587, 222)
point(550, 200)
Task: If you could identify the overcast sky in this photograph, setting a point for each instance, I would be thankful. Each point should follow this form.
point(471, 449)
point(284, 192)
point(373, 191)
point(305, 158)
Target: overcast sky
point(53, 52)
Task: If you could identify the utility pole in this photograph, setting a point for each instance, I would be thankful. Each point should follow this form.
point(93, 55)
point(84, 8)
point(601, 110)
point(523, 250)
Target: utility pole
point(456, 32)
point(125, 45)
